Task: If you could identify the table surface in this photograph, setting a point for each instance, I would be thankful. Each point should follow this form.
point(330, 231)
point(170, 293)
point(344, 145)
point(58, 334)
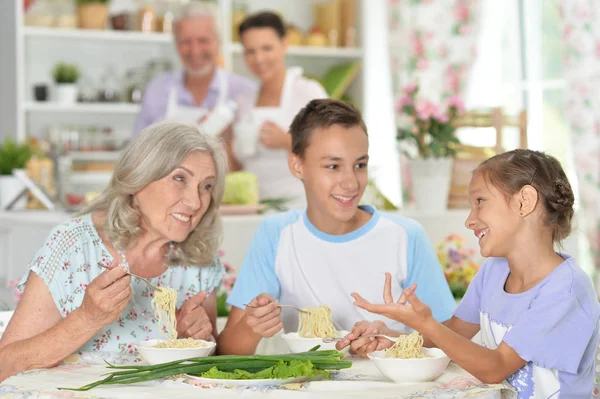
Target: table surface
point(362, 380)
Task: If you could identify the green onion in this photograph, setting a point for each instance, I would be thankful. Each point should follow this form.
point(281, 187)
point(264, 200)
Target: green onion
point(131, 374)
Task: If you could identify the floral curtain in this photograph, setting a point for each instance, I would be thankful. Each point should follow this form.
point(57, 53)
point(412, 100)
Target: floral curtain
point(433, 43)
point(581, 40)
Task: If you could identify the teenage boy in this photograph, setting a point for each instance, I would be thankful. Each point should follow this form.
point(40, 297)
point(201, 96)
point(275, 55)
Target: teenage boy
point(335, 247)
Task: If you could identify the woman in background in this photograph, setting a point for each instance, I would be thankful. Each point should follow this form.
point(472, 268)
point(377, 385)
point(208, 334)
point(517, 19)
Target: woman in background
point(261, 143)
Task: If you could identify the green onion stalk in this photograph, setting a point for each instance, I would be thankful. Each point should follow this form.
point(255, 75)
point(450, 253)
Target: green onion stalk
point(323, 360)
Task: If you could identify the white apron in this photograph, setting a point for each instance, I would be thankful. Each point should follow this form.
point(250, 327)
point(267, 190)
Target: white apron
point(270, 165)
point(212, 122)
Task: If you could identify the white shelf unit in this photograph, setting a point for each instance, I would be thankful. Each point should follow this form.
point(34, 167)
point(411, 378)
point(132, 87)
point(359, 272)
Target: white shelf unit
point(85, 108)
point(38, 49)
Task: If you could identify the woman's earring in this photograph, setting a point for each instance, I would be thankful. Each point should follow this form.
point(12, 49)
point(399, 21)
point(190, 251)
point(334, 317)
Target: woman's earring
point(520, 213)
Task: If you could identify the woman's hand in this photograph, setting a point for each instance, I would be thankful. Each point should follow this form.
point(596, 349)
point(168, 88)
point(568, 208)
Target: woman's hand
point(264, 319)
point(272, 136)
point(106, 296)
point(192, 320)
point(408, 310)
point(363, 346)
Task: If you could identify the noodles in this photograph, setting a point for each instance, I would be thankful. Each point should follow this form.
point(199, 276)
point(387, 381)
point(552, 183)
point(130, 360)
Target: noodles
point(180, 343)
point(164, 305)
point(407, 347)
point(317, 323)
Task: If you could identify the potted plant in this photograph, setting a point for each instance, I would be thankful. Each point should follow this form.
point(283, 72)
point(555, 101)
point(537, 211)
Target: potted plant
point(65, 79)
point(426, 136)
point(92, 14)
point(12, 156)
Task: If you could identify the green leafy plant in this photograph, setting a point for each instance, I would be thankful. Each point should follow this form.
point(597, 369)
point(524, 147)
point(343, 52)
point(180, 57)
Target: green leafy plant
point(427, 125)
point(65, 73)
point(83, 2)
point(14, 156)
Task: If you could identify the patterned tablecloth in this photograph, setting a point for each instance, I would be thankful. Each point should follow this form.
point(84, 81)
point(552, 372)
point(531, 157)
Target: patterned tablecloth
point(362, 380)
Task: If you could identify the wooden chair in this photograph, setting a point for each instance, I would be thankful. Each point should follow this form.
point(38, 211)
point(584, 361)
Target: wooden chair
point(469, 157)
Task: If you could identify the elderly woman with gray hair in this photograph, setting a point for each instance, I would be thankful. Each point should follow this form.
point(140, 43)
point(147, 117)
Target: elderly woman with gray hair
point(158, 217)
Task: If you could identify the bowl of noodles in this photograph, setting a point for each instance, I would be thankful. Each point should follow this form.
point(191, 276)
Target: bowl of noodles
point(157, 351)
point(408, 362)
point(313, 326)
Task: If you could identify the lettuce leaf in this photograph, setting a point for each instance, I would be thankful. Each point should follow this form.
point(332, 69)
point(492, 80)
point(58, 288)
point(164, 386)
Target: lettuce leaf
point(283, 370)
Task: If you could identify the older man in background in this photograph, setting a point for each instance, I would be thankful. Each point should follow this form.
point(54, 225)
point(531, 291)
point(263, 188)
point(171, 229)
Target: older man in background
point(202, 93)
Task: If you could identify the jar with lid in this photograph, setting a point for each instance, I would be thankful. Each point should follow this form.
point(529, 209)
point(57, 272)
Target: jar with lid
point(136, 80)
point(166, 10)
point(147, 17)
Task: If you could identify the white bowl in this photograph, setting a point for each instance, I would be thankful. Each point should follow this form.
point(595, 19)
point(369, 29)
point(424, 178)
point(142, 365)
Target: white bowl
point(164, 355)
point(298, 344)
point(411, 370)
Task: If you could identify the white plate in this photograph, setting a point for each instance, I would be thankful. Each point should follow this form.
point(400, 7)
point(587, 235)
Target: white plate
point(248, 383)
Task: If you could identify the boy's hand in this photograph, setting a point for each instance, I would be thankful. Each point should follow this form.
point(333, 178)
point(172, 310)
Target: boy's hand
point(363, 346)
point(263, 316)
point(408, 310)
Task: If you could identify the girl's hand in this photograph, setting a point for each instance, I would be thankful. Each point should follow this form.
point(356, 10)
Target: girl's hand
point(408, 310)
point(364, 346)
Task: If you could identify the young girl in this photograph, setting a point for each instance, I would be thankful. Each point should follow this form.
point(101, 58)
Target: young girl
point(536, 309)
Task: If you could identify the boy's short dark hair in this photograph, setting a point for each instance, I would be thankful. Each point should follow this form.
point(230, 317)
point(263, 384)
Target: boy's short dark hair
point(318, 114)
point(263, 19)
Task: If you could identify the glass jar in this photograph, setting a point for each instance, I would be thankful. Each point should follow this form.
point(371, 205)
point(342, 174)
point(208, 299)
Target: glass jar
point(147, 18)
point(135, 82)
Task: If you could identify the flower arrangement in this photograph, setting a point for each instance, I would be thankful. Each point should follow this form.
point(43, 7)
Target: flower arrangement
point(224, 290)
point(458, 262)
point(428, 125)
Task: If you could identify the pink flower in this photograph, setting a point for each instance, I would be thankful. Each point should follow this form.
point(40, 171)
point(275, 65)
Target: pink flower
point(598, 49)
point(441, 117)
point(422, 64)
point(410, 89)
point(425, 109)
point(462, 11)
point(404, 101)
point(464, 29)
point(455, 101)
point(417, 45)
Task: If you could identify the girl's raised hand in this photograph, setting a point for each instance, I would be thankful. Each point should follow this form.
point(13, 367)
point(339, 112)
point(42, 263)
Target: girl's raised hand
point(408, 310)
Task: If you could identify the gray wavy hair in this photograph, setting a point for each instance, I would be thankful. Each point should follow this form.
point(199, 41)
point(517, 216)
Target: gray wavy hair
point(153, 154)
point(199, 9)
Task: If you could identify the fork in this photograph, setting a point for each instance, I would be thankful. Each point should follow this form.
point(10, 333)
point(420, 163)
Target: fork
point(328, 340)
point(280, 306)
point(145, 280)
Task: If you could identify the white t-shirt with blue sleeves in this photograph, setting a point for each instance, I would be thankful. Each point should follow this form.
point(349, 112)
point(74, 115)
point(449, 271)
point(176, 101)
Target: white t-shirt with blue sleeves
point(300, 265)
point(553, 326)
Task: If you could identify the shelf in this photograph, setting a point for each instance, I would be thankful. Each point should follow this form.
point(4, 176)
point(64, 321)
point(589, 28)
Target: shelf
point(307, 51)
point(98, 108)
point(93, 155)
point(87, 178)
point(85, 34)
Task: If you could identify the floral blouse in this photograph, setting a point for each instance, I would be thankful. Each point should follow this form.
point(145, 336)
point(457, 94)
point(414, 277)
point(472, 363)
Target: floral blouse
point(72, 257)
